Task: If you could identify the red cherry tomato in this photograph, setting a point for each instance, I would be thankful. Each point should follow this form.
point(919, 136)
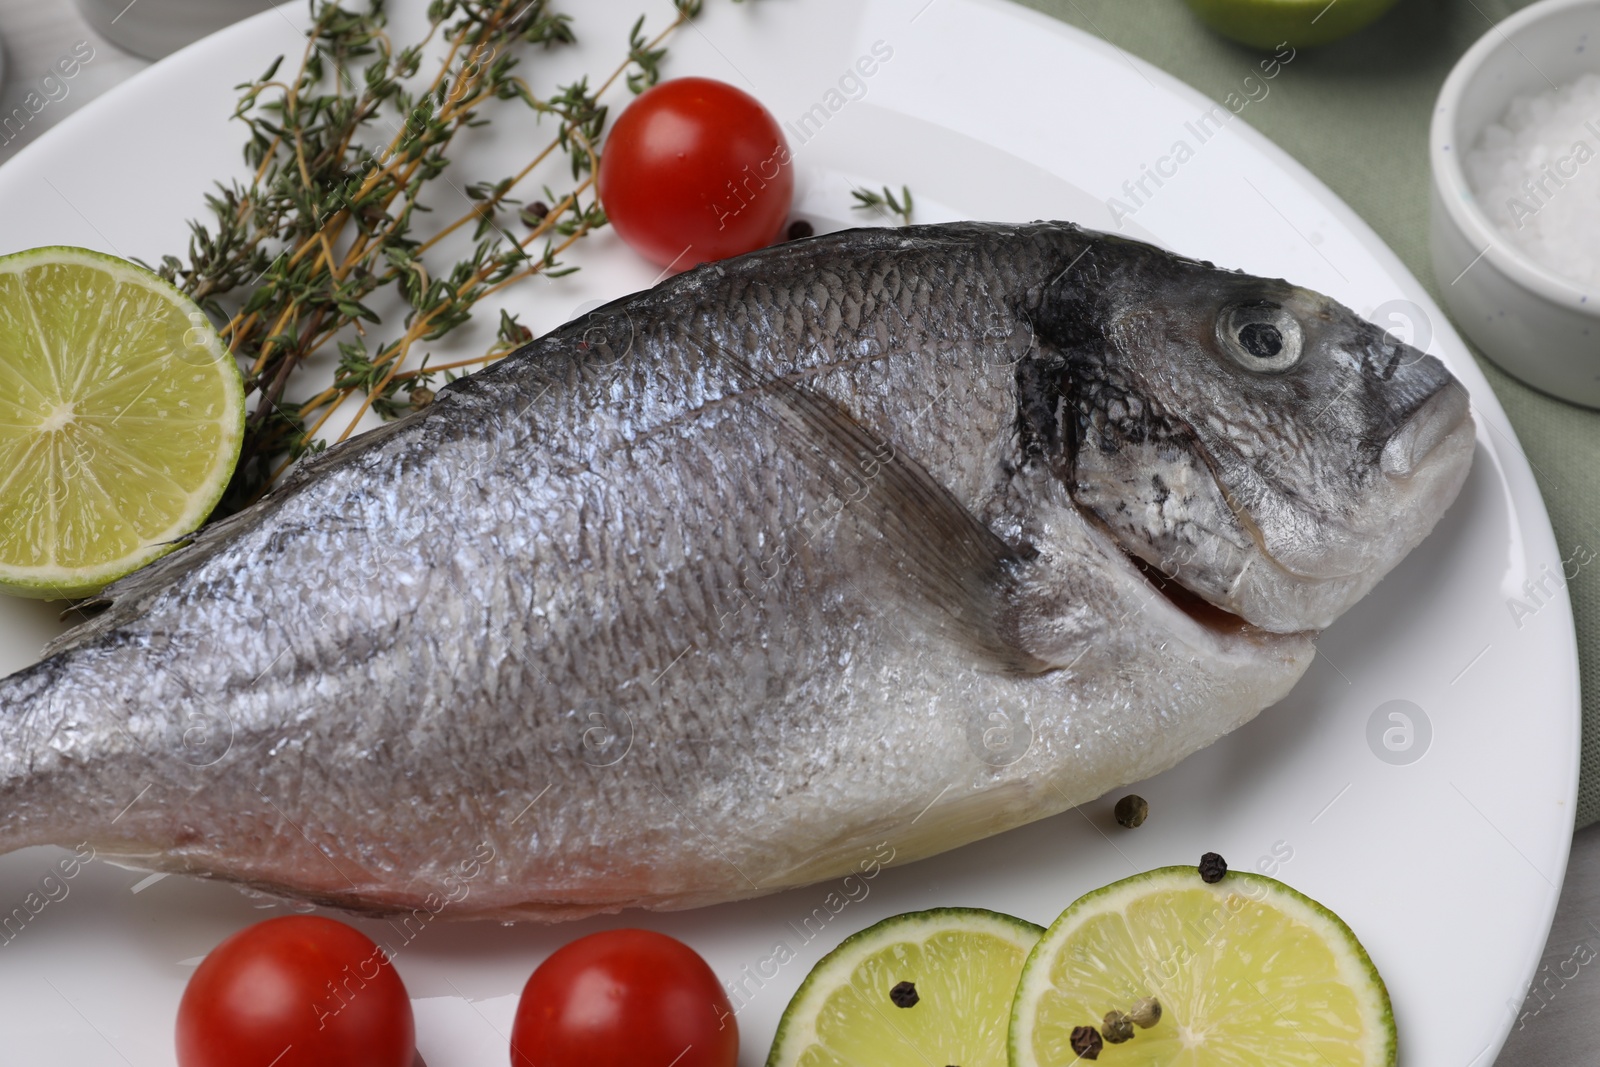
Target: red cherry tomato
point(264, 996)
point(696, 170)
point(623, 998)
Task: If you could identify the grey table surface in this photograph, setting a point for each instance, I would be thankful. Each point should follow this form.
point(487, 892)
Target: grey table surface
point(1559, 1022)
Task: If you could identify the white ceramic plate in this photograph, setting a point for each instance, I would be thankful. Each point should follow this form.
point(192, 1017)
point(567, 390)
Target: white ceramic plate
point(1446, 857)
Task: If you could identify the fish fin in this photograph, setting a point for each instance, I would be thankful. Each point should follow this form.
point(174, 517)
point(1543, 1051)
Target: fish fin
point(126, 596)
point(959, 573)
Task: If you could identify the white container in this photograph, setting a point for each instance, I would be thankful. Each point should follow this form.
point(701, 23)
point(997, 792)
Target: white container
point(157, 28)
point(1537, 325)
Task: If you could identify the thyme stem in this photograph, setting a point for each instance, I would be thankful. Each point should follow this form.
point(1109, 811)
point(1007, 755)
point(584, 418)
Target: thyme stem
point(291, 259)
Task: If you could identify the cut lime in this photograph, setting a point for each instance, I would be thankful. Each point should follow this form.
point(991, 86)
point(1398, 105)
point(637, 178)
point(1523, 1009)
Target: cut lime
point(1298, 23)
point(121, 417)
point(1246, 971)
point(926, 987)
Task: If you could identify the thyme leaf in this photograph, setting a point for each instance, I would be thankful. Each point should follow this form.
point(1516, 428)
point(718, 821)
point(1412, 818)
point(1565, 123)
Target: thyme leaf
point(885, 203)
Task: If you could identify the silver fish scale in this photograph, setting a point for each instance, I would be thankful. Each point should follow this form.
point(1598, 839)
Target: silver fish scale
point(682, 603)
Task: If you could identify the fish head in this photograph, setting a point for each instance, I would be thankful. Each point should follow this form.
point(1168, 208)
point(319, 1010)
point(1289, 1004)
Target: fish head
point(1256, 443)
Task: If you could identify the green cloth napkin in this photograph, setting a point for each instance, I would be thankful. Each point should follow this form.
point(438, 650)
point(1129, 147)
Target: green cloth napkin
point(1356, 113)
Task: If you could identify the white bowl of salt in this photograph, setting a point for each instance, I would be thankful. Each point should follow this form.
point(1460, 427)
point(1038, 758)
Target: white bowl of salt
point(1515, 150)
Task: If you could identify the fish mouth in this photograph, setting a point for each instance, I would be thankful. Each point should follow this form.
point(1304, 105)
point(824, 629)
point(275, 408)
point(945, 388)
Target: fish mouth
point(1409, 451)
point(1420, 435)
point(1178, 598)
point(1423, 464)
point(1422, 469)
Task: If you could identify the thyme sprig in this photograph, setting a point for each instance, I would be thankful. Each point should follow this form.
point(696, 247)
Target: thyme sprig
point(345, 153)
point(884, 203)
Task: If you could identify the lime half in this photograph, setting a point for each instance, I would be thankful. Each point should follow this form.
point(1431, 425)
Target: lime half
point(121, 417)
point(1299, 23)
point(1246, 972)
point(926, 987)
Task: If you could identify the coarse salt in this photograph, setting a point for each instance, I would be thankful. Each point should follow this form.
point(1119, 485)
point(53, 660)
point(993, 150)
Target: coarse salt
point(1536, 173)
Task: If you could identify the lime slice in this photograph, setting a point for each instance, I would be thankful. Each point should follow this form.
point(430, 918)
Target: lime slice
point(121, 416)
point(1300, 23)
point(1246, 972)
point(961, 965)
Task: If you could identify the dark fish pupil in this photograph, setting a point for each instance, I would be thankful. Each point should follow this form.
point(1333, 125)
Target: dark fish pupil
point(1261, 339)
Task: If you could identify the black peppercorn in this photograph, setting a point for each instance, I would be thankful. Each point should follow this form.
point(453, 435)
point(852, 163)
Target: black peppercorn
point(1146, 1012)
point(800, 228)
point(904, 994)
point(1117, 1027)
point(1212, 868)
point(1086, 1042)
point(534, 213)
point(1131, 811)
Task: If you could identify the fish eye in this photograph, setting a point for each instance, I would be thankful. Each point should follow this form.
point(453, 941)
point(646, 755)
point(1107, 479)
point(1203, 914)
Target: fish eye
point(1260, 336)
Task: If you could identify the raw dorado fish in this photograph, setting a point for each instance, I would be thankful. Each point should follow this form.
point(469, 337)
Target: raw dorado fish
point(893, 535)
